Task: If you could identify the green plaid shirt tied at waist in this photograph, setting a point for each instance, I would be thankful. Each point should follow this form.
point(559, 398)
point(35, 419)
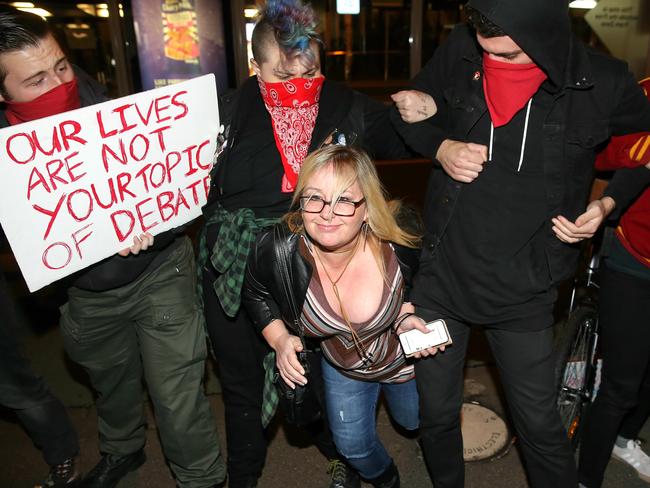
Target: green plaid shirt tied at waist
point(270, 397)
point(237, 233)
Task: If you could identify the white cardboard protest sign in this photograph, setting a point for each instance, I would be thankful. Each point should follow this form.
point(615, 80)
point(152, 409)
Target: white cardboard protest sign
point(76, 187)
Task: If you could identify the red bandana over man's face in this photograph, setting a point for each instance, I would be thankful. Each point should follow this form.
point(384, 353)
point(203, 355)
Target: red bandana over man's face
point(293, 106)
point(60, 99)
point(508, 87)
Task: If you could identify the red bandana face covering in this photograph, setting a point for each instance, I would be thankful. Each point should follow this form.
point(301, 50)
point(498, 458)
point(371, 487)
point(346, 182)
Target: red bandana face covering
point(508, 87)
point(60, 99)
point(293, 106)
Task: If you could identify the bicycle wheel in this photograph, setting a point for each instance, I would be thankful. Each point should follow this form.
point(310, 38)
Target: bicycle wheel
point(575, 346)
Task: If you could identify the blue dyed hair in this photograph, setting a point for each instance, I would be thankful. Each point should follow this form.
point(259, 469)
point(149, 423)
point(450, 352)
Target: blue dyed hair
point(291, 24)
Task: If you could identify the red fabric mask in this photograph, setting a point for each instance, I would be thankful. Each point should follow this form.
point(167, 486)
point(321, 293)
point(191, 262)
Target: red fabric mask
point(293, 106)
point(508, 87)
point(60, 99)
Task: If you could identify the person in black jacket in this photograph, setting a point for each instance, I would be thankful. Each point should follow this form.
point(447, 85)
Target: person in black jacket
point(270, 124)
point(41, 413)
point(350, 268)
point(132, 316)
point(522, 109)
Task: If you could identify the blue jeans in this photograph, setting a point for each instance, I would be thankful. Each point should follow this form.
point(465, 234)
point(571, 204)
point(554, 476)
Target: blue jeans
point(351, 408)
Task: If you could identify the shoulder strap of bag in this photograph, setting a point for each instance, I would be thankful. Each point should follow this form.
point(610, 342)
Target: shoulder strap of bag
point(284, 267)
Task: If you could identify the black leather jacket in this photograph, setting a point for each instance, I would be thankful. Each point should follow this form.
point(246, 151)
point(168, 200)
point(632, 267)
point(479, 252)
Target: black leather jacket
point(263, 291)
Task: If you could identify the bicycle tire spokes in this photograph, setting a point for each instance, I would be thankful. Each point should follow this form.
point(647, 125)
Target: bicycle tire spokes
point(576, 368)
point(575, 373)
point(578, 375)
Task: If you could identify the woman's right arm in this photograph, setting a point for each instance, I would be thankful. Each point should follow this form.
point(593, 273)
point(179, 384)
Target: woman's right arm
point(256, 295)
point(265, 312)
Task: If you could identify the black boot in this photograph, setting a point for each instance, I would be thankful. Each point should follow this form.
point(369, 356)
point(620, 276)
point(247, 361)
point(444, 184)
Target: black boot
point(342, 475)
point(111, 469)
point(388, 479)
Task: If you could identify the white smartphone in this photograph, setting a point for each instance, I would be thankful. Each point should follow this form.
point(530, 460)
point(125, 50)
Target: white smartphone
point(415, 341)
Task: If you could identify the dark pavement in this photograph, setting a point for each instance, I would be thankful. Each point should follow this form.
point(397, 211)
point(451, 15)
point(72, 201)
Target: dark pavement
point(290, 462)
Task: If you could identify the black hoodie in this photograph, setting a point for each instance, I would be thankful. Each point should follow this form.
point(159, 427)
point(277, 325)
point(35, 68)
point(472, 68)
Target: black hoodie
point(540, 27)
point(587, 98)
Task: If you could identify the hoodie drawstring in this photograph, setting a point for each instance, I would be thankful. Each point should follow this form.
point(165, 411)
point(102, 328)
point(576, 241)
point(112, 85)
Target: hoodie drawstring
point(523, 140)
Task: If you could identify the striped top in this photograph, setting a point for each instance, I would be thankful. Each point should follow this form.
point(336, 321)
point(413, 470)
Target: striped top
point(321, 321)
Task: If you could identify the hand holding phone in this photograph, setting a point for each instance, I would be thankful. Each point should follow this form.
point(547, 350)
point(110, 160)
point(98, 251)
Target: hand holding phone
point(414, 341)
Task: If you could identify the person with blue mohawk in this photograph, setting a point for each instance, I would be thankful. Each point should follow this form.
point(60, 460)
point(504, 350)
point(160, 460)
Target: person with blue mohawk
point(270, 124)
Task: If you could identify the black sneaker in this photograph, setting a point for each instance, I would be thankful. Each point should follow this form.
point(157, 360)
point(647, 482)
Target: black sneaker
point(111, 469)
point(65, 474)
point(342, 475)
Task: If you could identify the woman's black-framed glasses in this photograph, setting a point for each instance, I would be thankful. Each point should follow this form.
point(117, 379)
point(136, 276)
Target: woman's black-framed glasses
point(341, 207)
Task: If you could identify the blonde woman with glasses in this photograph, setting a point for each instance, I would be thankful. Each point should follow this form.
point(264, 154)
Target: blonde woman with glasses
point(351, 266)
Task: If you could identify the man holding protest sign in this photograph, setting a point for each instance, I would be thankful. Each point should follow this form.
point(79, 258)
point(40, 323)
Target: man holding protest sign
point(132, 315)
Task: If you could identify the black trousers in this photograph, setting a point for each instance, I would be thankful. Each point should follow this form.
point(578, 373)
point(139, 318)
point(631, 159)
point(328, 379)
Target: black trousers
point(42, 415)
point(623, 402)
point(525, 362)
point(239, 351)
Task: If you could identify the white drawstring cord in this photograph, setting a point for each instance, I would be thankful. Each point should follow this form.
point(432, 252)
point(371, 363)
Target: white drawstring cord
point(523, 141)
point(491, 140)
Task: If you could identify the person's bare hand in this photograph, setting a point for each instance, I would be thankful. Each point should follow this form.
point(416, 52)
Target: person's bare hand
point(414, 106)
point(415, 322)
point(586, 225)
point(286, 359)
point(463, 161)
point(142, 243)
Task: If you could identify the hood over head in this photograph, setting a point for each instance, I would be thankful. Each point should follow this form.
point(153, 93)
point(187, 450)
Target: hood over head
point(540, 27)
